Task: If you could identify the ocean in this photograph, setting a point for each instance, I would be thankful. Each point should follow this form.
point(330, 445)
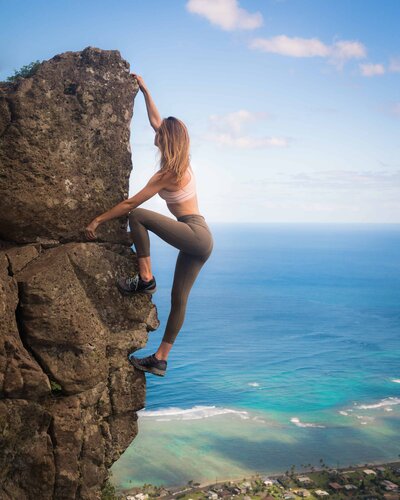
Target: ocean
point(289, 355)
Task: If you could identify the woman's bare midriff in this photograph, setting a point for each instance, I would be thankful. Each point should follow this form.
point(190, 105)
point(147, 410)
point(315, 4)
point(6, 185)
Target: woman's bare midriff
point(187, 207)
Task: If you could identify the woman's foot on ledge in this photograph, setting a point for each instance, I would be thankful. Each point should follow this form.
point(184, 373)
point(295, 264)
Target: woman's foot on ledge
point(135, 284)
point(149, 364)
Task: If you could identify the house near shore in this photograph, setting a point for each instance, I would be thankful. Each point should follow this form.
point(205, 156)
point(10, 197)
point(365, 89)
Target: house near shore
point(321, 493)
point(302, 492)
point(335, 486)
point(369, 472)
point(288, 496)
point(349, 487)
point(212, 495)
point(269, 481)
point(245, 487)
point(305, 480)
point(389, 486)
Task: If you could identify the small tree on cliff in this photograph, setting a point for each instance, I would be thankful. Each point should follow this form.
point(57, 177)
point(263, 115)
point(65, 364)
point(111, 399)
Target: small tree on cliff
point(24, 72)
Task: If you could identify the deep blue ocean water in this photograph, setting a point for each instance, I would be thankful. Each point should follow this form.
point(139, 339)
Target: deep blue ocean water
point(289, 352)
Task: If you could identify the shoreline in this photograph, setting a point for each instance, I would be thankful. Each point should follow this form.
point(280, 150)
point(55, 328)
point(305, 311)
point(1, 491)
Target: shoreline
point(173, 491)
point(274, 475)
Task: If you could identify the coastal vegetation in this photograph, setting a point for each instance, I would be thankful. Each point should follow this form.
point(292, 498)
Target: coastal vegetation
point(367, 482)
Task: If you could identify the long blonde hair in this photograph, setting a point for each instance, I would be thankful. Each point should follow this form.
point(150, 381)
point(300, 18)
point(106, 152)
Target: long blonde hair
point(174, 146)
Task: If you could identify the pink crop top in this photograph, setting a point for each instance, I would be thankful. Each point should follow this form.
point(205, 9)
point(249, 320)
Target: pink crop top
point(183, 194)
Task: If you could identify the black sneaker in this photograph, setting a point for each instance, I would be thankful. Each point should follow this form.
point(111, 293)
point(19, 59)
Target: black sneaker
point(135, 284)
point(149, 364)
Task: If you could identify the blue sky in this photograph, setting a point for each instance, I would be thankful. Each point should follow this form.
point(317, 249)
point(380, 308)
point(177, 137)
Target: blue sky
point(293, 106)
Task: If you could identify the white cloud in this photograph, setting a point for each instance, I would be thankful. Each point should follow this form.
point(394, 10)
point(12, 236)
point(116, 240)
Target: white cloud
point(337, 53)
point(394, 65)
point(227, 130)
point(294, 47)
point(371, 69)
point(248, 142)
point(226, 14)
point(344, 50)
point(236, 120)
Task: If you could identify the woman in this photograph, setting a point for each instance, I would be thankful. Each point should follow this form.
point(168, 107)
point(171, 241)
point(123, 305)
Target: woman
point(175, 183)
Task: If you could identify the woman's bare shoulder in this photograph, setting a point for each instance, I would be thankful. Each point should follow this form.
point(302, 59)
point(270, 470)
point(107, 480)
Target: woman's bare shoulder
point(169, 178)
point(166, 175)
point(163, 177)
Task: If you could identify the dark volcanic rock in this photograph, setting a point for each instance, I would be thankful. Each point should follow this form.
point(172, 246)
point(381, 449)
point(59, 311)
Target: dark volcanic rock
point(65, 131)
point(68, 396)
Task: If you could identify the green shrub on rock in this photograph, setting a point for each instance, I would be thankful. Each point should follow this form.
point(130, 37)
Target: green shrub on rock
point(24, 72)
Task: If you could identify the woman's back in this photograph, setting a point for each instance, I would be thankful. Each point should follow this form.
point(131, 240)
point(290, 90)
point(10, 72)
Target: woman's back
point(185, 193)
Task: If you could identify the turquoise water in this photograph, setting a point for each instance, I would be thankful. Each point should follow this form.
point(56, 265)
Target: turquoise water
point(289, 353)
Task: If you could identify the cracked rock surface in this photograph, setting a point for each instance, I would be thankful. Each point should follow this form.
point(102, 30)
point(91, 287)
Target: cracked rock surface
point(65, 131)
point(68, 396)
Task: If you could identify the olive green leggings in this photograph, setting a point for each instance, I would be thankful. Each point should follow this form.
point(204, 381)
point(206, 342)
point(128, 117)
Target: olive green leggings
point(191, 235)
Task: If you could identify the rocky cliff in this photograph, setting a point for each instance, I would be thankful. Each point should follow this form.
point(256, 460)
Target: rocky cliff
point(68, 397)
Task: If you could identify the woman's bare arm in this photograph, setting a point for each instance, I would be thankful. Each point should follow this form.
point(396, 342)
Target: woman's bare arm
point(155, 184)
point(154, 115)
point(152, 111)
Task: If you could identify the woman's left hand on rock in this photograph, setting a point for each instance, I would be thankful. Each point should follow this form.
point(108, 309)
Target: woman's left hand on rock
point(90, 230)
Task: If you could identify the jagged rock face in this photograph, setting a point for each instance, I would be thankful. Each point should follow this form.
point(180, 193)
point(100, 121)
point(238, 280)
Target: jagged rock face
point(65, 130)
point(68, 396)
